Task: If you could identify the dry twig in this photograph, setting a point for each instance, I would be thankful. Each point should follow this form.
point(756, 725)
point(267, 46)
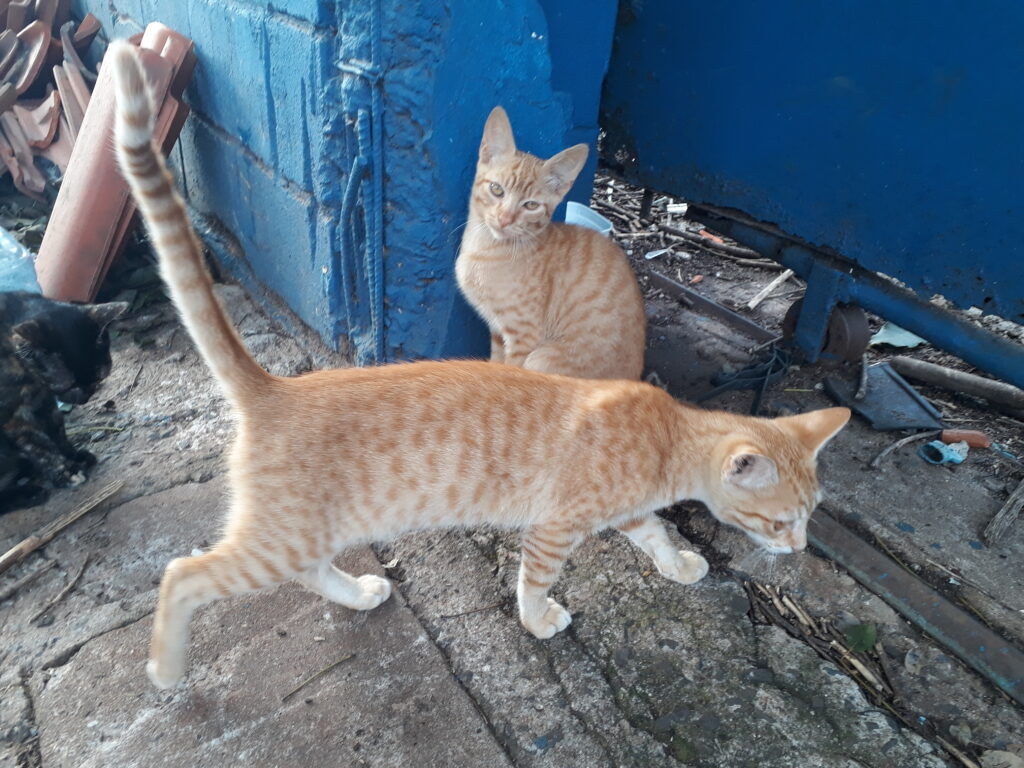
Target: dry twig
point(11, 590)
point(875, 462)
point(63, 593)
point(27, 546)
point(315, 676)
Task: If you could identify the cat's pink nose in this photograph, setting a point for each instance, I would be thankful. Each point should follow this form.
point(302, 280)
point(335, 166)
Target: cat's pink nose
point(504, 219)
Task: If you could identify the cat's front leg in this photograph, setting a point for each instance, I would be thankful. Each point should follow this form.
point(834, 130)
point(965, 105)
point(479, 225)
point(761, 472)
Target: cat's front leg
point(545, 548)
point(497, 348)
point(649, 534)
point(520, 340)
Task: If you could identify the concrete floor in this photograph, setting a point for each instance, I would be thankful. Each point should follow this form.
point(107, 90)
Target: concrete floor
point(651, 673)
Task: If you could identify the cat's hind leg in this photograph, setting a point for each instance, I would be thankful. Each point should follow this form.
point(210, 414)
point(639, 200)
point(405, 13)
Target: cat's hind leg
point(228, 569)
point(649, 534)
point(545, 548)
point(358, 593)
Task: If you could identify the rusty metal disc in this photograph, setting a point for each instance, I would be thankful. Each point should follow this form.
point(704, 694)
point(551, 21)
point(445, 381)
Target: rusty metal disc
point(847, 335)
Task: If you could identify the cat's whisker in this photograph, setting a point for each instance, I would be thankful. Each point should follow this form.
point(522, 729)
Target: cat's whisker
point(759, 564)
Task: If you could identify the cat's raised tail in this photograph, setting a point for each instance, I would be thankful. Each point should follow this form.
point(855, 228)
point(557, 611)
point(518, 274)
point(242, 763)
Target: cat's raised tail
point(176, 243)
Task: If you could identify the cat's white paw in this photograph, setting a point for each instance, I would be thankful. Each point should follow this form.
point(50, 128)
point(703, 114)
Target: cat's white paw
point(686, 568)
point(375, 590)
point(165, 675)
point(553, 621)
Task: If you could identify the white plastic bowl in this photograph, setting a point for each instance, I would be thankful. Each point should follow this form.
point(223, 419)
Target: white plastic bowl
point(582, 216)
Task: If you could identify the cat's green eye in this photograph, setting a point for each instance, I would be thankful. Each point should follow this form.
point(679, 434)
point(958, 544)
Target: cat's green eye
point(531, 205)
point(496, 189)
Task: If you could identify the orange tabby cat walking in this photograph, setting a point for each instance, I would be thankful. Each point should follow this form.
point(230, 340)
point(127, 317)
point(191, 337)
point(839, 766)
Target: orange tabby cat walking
point(556, 297)
point(335, 458)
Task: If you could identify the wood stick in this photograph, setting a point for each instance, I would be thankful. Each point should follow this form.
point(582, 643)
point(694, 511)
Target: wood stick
point(1005, 517)
point(27, 546)
point(958, 381)
point(763, 293)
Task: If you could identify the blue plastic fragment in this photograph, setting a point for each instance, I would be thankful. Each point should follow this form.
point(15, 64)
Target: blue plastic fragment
point(937, 452)
point(17, 265)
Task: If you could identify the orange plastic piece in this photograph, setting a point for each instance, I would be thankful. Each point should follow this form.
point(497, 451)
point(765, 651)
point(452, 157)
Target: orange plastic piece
point(972, 437)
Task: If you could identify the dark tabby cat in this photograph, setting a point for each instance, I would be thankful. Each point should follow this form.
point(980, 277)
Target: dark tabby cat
point(48, 350)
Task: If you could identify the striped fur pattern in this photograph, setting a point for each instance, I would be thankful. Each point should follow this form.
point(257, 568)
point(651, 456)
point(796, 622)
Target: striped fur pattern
point(557, 298)
point(331, 459)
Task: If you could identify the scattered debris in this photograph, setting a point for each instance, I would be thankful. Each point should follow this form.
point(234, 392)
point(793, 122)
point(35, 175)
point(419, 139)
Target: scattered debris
point(863, 661)
point(696, 279)
point(988, 653)
point(938, 452)
point(702, 304)
point(27, 546)
point(1005, 517)
point(889, 402)
point(655, 254)
point(94, 210)
point(996, 392)
point(894, 336)
point(44, 90)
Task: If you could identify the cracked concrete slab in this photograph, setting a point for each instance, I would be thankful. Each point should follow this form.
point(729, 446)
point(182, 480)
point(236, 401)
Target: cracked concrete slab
point(96, 707)
point(649, 673)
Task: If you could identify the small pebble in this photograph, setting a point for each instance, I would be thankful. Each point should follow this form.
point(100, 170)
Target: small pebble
point(319, 639)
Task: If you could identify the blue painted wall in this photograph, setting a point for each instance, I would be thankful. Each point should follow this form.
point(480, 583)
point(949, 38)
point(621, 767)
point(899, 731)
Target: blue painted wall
point(887, 131)
point(332, 143)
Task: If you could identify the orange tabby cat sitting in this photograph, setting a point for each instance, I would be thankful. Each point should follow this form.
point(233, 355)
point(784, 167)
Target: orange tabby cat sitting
point(556, 297)
point(331, 459)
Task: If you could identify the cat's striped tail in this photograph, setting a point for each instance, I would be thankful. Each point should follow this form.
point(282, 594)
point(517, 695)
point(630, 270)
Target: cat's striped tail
point(176, 243)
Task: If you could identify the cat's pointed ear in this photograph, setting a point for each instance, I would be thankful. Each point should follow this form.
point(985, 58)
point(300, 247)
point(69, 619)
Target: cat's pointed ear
point(32, 332)
point(563, 168)
point(498, 141)
point(749, 470)
point(816, 428)
point(104, 314)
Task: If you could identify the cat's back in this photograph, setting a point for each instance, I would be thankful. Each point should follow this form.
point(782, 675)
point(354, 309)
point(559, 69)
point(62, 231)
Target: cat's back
point(595, 305)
